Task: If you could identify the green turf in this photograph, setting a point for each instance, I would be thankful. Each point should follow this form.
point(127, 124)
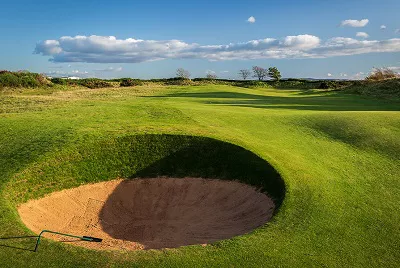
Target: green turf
point(338, 155)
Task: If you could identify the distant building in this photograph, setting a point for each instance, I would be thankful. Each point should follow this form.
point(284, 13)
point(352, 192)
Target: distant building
point(71, 77)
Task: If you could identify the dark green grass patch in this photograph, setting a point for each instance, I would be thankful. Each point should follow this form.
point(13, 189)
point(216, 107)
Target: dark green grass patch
point(146, 156)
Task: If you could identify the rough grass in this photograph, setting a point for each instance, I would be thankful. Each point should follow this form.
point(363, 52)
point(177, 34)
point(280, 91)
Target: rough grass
point(387, 89)
point(337, 153)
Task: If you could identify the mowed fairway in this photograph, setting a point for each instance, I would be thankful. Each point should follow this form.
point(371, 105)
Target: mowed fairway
point(338, 155)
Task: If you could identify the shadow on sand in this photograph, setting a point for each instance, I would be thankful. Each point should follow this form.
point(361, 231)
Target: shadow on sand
point(201, 158)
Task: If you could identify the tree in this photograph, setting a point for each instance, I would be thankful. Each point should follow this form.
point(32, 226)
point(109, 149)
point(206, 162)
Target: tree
point(274, 73)
point(244, 73)
point(182, 73)
point(211, 76)
point(259, 72)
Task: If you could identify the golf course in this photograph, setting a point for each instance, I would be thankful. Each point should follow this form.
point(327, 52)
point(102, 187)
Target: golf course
point(329, 161)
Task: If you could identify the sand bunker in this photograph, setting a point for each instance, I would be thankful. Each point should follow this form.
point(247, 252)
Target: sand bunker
point(150, 213)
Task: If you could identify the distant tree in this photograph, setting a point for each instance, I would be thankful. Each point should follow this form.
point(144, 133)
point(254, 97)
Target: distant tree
point(382, 74)
point(260, 72)
point(212, 76)
point(182, 73)
point(244, 73)
point(274, 73)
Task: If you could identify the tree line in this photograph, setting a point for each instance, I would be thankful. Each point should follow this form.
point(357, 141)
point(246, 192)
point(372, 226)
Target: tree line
point(257, 72)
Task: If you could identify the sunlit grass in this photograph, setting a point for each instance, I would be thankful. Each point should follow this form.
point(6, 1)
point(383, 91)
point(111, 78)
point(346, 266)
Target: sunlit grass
point(338, 154)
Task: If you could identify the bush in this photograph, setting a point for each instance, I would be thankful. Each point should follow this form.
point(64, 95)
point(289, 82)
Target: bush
point(379, 74)
point(22, 79)
point(323, 85)
point(386, 89)
point(59, 81)
point(94, 83)
point(8, 79)
point(255, 84)
point(29, 81)
point(129, 82)
point(176, 81)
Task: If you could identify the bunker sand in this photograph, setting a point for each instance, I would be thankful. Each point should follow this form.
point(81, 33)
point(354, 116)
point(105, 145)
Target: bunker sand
point(150, 213)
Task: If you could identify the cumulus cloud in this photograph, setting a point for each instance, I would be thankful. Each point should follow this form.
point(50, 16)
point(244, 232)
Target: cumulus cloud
point(383, 27)
point(251, 19)
point(109, 49)
point(355, 23)
point(303, 42)
point(330, 75)
point(362, 34)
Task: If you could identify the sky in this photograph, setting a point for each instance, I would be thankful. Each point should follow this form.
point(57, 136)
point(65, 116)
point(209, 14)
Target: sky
point(151, 39)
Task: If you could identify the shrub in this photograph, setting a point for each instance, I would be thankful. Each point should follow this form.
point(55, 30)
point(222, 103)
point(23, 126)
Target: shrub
point(129, 82)
point(8, 79)
point(324, 85)
point(386, 89)
point(253, 84)
point(22, 79)
point(59, 81)
point(94, 83)
point(29, 81)
point(379, 74)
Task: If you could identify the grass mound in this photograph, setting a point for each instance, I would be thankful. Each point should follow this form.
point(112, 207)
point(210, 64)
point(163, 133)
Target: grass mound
point(22, 80)
point(147, 156)
point(388, 89)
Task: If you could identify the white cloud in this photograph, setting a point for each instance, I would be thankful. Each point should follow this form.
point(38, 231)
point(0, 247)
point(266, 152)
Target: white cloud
point(355, 23)
point(104, 49)
point(394, 68)
point(330, 75)
point(49, 47)
point(304, 42)
point(343, 75)
point(358, 76)
point(397, 31)
point(362, 34)
point(62, 73)
point(224, 72)
point(110, 69)
point(79, 72)
point(383, 27)
point(251, 19)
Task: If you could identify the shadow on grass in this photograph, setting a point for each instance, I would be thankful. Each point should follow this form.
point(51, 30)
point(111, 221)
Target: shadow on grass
point(307, 100)
point(200, 157)
point(18, 246)
point(190, 156)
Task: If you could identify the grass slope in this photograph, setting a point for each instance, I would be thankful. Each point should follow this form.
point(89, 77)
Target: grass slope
point(338, 155)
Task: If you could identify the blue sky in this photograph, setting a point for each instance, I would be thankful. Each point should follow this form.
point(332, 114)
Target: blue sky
point(149, 39)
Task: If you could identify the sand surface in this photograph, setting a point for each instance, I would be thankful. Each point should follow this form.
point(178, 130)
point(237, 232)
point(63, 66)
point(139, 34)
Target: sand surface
point(150, 213)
